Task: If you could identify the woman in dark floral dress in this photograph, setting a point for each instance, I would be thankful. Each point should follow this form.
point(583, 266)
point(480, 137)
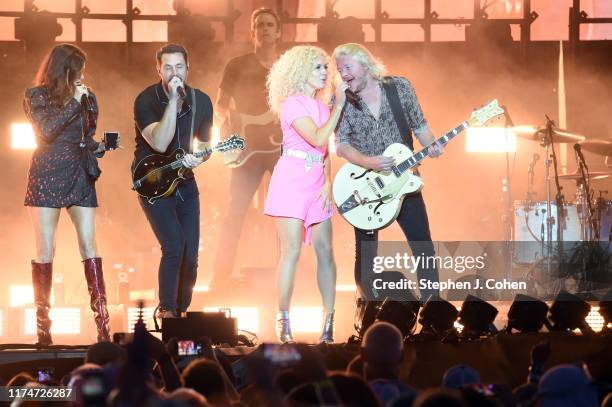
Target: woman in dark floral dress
point(62, 174)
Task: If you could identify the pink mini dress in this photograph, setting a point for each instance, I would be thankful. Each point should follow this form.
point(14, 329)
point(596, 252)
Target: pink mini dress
point(296, 183)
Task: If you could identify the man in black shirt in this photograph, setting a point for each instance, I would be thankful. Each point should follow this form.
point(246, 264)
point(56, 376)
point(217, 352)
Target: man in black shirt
point(167, 116)
point(242, 103)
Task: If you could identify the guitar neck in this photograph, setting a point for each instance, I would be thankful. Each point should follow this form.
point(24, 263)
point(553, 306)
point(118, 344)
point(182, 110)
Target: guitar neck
point(420, 156)
point(202, 153)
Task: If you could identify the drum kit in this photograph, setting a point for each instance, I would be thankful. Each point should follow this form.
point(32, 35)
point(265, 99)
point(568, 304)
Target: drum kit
point(546, 227)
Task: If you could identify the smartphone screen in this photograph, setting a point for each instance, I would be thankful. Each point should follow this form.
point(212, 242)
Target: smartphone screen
point(110, 140)
point(44, 374)
point(282, 355)
point(189, 348)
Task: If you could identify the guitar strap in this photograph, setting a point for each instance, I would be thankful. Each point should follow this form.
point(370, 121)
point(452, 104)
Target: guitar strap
point(193, 114)
point(398, 112)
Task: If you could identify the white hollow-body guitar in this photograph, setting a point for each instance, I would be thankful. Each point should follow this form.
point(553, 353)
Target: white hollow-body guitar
point(371, 200)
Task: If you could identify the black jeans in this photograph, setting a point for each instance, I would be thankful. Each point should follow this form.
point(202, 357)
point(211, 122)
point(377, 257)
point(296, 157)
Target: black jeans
point(414, 223)
point(175, 220)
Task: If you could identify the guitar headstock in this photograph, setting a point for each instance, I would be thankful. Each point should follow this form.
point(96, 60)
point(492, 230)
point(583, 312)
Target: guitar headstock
point(488, 112)
point(234, 142)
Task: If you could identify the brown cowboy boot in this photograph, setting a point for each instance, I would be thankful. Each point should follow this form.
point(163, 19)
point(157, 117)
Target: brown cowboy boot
point(41, 282)
point(97, 295)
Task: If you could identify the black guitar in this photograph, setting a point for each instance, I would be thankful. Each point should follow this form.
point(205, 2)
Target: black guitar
point(156, 175)
point(262, 133)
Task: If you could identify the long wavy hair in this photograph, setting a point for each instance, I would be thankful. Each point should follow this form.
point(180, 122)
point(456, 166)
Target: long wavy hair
point(363, 56)
point(59, 70)
point(289, 75)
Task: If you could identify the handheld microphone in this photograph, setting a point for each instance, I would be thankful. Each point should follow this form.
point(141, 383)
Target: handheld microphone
point(181, 91)
point(86, 102)
point(353, 98)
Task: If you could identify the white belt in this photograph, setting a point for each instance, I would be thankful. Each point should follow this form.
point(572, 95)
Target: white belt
point(309, 157)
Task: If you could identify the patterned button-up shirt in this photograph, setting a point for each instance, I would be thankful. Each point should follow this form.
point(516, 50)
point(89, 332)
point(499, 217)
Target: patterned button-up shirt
point(370, 136)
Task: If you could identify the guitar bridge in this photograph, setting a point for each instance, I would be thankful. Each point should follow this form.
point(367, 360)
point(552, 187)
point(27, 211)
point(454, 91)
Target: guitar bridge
point(358, 198)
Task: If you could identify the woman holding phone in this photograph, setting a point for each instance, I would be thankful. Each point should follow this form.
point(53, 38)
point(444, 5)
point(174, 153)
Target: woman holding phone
point(63, 171)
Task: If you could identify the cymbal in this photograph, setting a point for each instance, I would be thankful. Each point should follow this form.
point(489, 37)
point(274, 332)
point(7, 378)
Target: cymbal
point(593, 175)
point(537, 133)
point(602, 147)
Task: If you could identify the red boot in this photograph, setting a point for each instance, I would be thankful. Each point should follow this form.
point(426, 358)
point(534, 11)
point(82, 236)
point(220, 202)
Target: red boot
point(97, 295)
point(42, 274)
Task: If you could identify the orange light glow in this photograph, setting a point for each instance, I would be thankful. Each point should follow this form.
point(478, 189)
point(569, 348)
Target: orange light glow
point(22, 136)
point(490, 140)
point(248, 317)
point(66, 321)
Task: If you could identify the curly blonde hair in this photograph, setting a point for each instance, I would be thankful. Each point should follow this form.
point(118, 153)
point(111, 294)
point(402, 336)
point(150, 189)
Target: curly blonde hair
point(289, 75)
point(362, 55)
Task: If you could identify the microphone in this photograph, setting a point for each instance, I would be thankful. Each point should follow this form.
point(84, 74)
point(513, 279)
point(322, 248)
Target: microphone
point(86, 103)
point(89, 110)
point(353, 98)
point(180, 89)
point(578, 149)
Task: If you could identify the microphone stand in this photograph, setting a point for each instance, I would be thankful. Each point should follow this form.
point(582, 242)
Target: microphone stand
point(506, 188)
point(593, 233)
point(589, 230)
point(559, 199)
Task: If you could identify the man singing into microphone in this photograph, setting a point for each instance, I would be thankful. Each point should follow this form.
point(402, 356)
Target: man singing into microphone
point(168, 115)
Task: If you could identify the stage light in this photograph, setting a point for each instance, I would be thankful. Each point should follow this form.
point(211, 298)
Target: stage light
point(201, 289)
point(66, 321)
point(248, 317)
point(477, 317)
point(195, 31)
point(605, 310)
point(147, 316)
point(306, 319)
point(489, 140)
point(1, 322)
point(402, 314)
point(527, 314)
point(336, 31)
point(346, 288)
point(595, 319)
point(37, 29)
point(569, 312)
point(21, 295)
point(22, 137)
point(438, 316)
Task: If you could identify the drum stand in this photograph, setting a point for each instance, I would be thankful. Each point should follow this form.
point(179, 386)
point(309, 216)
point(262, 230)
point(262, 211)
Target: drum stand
point(589, 222)
point(551, 158)
point(507, 217)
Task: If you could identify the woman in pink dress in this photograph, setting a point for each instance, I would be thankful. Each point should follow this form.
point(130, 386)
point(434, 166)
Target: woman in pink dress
point(299, 196)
